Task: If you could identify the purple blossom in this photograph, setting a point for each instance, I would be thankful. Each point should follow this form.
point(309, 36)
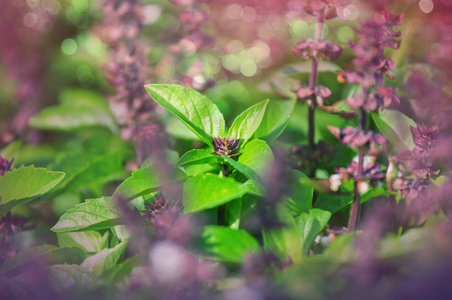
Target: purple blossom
point(5, 165)
point(384, 97)
point(309, 49)
point(356, 137)
point(225, 146)
point(321, 92)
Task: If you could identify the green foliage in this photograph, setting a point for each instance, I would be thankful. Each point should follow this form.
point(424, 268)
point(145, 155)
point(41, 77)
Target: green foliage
point(93, 214)
point(104, 260)
point(24, 184)
point(206, 191)
point(78, 109)
point(227, 244)
point(195, 110)
point(248, 122)
point(88, 241)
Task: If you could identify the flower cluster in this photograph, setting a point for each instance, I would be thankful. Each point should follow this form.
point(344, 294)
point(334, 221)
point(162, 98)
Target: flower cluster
point(310, 49)
point(226, 147)
point(332, 8)
point(356, 138)
point(420, 159)
point(5, 165)
point(370, 62)
point(383, 97)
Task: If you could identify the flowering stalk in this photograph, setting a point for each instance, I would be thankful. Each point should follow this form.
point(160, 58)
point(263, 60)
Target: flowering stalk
point(371, 65)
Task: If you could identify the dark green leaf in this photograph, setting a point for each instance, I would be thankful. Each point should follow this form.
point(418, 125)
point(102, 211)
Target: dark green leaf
point(208, 190)
point(300, 192)
point(24, 184)
point(67, 276)
point(227, 244)
point(93, 214)
point(247, 122)
point(195, 110)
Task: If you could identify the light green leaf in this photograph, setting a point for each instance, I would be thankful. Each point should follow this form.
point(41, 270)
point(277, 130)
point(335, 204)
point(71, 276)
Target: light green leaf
point(24, 184)
point(195, 110)
point(206, 191)
point(78, 109)
point(395, 126)
point(245, 170)
point(227, 244)
point(247, 122)
point(142, 181)
point(105, 259)
point(88, 241)
point(276, 118)
point(93, 214)
point(198, 156)
point(48, 253)
point(256, 155)
point(310, 225)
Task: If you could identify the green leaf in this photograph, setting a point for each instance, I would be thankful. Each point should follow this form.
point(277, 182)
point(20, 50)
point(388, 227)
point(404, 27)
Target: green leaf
point(93, 214)
point(197, 156)
point(142, 181)
point(88, 241)
point(88, 170)
point(310, 225)
point(247, 122)
point(78, 109)
point(256, 155)
point(24, 184)
point(227, 244)
point(48, 253)
point(395, 126)
point(276, 118)
point(245, 170)
point(123, 269)
point(67, 276)
point(235, 210)
point(195, 110)
point(206, 191)
point(105, 259)
point(254, 188)
point(300, 192)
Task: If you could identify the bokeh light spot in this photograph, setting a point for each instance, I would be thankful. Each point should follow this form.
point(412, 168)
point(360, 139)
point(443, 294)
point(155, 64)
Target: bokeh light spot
point(248, 67)
point(80, 5)
point(426, 6)
point(69, 46)
point(344, 34)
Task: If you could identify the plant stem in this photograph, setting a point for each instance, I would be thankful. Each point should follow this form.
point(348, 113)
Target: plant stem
point(222, 208)
point(356, 205)
point(313, 83)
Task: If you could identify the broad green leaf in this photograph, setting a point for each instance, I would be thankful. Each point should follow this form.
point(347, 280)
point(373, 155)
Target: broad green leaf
point(300, 192)
point(195, 110)
point(395, 126)
point(88, 170)
point(275, 119)
point(197, 156)
point(48, 253)
point(227, 244)
point(88, 241)
point(142, 181)
point(78, 109)
point(24, 184)
point(105, 259)
point(206, 191)
point(310, 225)
point(93, 214)
point(247, 122)
point(256, 155)
point(67, 276)
point(121, 232)
point(177, 129)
